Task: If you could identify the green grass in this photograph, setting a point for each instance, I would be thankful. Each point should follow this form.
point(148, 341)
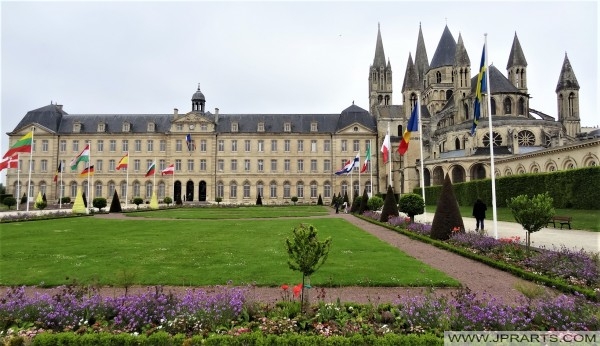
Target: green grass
point(582, 219)
point(234, 212)
point(196, 253)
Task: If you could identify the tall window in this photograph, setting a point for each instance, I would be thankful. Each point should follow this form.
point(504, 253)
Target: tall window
point(75, 145)
point(220, 165)
point(273, 165)
point(178, 145)
point(100, 145)
point(344, 145)
point(273, 145)
point(300, 145)
point(313, 165)
point(190, 165)
point(111, 165)
point(287, 189)
point(44, 145)
point(161, 190)
point(233, 190)
point(73, 189)
point(150, 145)
point(247, 165)
point(203, 145)
point(260, 189)
point(261, 145)
point(261, 165)
point(136, 165)
point(286, 165)
point(356, 145)
point(99, 166)
point(113, 145)
point(313, 190)
point(273, 189)
point(138, 145)
point(178, 165)
point(162, 145)
point(44, 165)
point(136, 189)
point(125, 145)
point(300, 190)
point(234, 145)
point(203, 165)
point(327, 145)
point(124, 190)
point(111, 188)
point(246, 190)
point(221, 145)
point(326, 190)
point(286, 145)
point(313, 146)
point(98, 189)
point(327, 165)
point(162, 164)
point(247, 146)
point(300, 165)
point(63, 145)
point(149, 189)
point(234, 165)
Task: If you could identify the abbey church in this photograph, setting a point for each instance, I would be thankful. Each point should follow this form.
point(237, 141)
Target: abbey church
point(238, 157)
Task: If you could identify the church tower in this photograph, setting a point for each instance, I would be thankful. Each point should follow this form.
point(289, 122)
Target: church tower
point(567, 93)
point(439, 84)
point(410, 87)
point(461, 76)
point(380, 77)
point(517, 66)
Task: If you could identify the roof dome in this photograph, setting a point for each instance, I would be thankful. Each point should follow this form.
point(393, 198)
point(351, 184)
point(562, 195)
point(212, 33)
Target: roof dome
point(198, 95)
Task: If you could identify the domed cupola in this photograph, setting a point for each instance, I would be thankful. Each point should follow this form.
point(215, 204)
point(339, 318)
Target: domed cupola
point(198, 101)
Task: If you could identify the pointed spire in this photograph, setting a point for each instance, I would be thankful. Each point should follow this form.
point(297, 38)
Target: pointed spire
point(421, 60)
point(411, 80)
point(445, 51)
point(567, 79)
point(379, 60)
point(461, 58)
point(516, 57)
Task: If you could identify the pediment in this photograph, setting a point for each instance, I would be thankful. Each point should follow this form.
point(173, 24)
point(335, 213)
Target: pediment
point(355, 128)
point(192, 117)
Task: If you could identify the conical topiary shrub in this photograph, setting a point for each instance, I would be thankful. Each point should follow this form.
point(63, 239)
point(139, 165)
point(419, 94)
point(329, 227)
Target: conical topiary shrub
point(390, 208)
point(115, 205)
point(447, 217)
point(355, 202)
point(363, 202)
point(346, 199)
point(320, 200)
point(258, 200)
point(84, 199)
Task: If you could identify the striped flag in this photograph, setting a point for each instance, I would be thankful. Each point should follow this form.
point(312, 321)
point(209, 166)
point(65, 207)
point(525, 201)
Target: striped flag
point(23, 145)
point(412, 126)
point(151, 170)
point(479, 91)
point(123, 162)
point(84, 156)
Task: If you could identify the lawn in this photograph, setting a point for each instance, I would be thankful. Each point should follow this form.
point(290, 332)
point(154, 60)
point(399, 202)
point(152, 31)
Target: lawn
point(582, 219)
point(196, 253)
point(234, 213)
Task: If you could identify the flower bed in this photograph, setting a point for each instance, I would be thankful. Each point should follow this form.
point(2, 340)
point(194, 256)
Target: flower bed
point(576, 268)
point(227, 311)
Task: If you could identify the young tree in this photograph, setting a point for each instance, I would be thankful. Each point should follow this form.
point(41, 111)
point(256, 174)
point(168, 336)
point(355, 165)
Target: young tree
point(390, 208)
point(531, 213)
point(294, 199)
point(412, 204)
point(447, 218)
point(167, 200)
point(99, 202)
point(9, 201)
point(375, 203)
point(218, 200)
point(306, 253)
point(115, 204)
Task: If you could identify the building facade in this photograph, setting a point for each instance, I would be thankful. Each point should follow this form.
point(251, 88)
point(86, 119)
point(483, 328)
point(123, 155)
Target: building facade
point(237, 157)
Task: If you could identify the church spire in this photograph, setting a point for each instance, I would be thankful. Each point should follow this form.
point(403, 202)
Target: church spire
point(379, 59)
point(380, 77)
point(567, 94)
point(421, 60)
point(411, 80)
point(517, 66)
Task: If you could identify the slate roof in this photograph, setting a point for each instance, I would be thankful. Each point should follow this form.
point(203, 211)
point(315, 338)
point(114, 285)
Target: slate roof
point(445, 51)
point(56, 120)
point(498, 83)
point(485, 151)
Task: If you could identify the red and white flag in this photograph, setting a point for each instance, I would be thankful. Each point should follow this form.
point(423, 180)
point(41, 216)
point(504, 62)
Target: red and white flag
point(386, 148)
point(10, 162)
point(170, 170)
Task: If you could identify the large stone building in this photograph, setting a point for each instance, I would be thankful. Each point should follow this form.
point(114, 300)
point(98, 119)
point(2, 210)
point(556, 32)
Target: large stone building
point(278, 156)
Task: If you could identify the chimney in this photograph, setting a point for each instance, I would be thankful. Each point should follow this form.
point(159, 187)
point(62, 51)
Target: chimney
point(175, 111)
point(216, 115)
point(59, 107)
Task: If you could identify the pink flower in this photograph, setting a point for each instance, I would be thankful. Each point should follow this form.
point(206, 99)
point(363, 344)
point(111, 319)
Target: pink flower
point(297, 289)
point(285, 287)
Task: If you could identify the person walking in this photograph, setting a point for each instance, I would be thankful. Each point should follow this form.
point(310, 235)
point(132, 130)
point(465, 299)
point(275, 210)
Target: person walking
point(479, 209)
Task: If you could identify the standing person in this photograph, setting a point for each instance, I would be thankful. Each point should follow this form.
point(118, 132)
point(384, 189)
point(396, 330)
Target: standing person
point(337, 206)
point(479, 209)
point(345, 206)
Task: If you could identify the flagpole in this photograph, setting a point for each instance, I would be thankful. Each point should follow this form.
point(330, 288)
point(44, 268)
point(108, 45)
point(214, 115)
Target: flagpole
point(18, 180)
point(359, 168)
point(61, 185)
point(88, 176)
point(127, 180)
point(422, 175)
point(30, 164)
point(370, 170)
point(173, 185)
point(389, 163)
point(154, 178)
point(491, 141)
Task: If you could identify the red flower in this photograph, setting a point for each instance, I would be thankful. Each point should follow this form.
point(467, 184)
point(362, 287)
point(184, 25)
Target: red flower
point(297, 289)
point(285, 287)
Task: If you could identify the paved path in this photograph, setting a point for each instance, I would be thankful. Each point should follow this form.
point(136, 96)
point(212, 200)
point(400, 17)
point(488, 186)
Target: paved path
point(547, 237)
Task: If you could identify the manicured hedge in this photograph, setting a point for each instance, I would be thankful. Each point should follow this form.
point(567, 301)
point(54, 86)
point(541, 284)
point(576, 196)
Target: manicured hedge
point(574, 188)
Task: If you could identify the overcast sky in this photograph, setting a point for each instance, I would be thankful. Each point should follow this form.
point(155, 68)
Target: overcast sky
point(268, 57)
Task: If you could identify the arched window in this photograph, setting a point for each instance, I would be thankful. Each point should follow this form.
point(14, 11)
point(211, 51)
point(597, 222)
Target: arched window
point(124, 189)
point(136, 189)
point(273, 189)
point(73, 189)
point(507, 106)
point(327, 189)
point(149, 188)
point(457, 144)
point(493, 106)
point(521, 106)
point(260, 189)
point(287, 189)
point(438, 77)
point(161, 191)
point(300, 189)
point(466, 111)
point(448, 94)
point(233, 189)
point(571, 109)
point(220, 189)
point(314, 189)
point(98, 189)
point(111, 189)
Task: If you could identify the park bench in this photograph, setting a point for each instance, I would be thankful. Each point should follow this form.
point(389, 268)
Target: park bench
point(562, 220)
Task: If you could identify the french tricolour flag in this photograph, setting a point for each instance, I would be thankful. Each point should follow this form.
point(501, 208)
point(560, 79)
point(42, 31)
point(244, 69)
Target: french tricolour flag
point(350, 164)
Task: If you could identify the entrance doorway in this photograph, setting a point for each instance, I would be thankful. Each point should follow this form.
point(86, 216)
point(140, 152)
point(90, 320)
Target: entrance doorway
point(177, 192)
point(202, 191)
point(189, 191)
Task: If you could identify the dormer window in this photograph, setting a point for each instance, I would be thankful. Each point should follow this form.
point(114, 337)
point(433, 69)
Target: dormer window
point(101, 127)
point(77, 127)
point(234, 127)
point(126, 127)
point(179, 127)
point(287, 127)
point(151, 127)
point(261, 127)
point(313, 127)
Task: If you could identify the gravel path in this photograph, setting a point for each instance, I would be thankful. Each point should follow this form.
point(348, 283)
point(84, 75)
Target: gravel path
point(472, 274)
